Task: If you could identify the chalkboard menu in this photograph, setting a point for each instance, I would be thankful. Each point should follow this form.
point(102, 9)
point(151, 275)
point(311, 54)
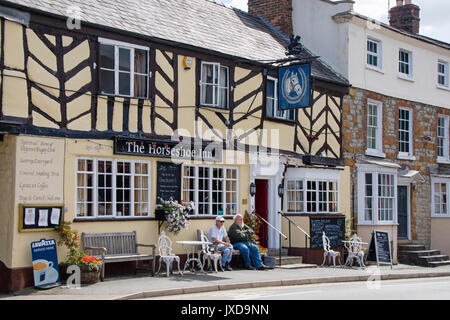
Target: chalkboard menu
point(334, 229)
point(380, 248)
point(168, 181)
point(39, 217)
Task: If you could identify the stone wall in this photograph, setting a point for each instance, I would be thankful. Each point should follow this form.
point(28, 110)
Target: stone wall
point(424, 149)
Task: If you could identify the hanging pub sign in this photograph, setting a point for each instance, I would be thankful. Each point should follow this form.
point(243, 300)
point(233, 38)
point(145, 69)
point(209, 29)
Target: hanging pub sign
point(168, 149)
point(45, 263)
point(294, 86)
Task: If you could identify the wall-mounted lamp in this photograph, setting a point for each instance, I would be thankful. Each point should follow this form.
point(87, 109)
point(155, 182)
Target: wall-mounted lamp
point(280, 190)
point(252, 189)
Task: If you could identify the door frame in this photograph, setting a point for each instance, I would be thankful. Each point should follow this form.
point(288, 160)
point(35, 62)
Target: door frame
point(266, 234)
point(407, 184)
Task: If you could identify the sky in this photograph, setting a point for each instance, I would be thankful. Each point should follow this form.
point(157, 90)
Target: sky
point(434, 14)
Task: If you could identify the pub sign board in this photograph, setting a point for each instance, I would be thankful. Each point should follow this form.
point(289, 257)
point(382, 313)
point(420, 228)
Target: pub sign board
point(169, 181)
point(380, 248)
point(334, 228)
point(294, 86)
point(190, 150)
point(45, 263)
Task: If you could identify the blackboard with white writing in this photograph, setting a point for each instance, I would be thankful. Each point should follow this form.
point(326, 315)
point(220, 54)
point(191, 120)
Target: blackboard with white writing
point(380, 248)
point(334, 228)
point(168, 181)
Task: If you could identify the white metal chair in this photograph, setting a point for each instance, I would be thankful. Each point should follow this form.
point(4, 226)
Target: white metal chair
point(327, 252)
point(354, 247)
point(209, 253)
point(166, 255)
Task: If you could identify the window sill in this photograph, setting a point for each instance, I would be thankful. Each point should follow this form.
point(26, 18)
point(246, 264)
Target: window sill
point(405, 77)
point(441, 87)
point(310, 214)
point(443, 161)
point(280, 120)
point(406, 157)
point(447, 216)
point(94, 219)
point(121, 96)
point(375, 153)
point(373, 68)
point(214, 107)
point(209, 217)
point(379, 223)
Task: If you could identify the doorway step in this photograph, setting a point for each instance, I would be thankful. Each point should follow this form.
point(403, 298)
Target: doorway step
point(287, 262)
point(416, 254)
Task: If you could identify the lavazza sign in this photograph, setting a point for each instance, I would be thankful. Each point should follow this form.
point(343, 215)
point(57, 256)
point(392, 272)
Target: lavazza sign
point(168, 149)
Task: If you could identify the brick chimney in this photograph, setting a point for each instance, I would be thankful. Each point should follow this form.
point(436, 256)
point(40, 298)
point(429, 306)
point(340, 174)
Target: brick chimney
point(405, 16)
point(277, 12)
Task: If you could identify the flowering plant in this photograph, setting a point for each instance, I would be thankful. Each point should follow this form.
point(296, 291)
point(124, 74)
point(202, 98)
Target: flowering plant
point(177, 214)
point(262, 251)
point(70, 238)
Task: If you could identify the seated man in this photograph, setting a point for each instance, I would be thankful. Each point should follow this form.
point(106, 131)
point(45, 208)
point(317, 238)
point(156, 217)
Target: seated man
point(217, 235)
point(241, 236)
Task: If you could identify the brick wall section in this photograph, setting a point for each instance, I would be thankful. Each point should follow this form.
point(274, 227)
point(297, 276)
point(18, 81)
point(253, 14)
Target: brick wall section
point(405, 17)
point(277, 12)
point(424, 149)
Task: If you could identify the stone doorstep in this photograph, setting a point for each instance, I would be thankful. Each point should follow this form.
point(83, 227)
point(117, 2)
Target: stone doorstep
point(440, 257)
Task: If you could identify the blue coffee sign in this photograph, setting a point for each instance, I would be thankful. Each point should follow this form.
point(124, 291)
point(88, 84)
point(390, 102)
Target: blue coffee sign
point(294, 86)
point(45, 263)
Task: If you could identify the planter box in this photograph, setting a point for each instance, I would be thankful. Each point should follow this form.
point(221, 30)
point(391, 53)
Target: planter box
point(86, 276)
point(269, 261)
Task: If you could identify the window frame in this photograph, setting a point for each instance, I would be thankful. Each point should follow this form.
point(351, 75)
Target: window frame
point(445, 158)
point(132, 47)
point(285, 114)
point(436, 180)
point(445, 85)
point(378, 55)
point(114, 175)
point(317, 176)
point(410, 154)
point(215, 103)
point(409, 65)
point(210, 190)
point(378, 151)
point(375, 172)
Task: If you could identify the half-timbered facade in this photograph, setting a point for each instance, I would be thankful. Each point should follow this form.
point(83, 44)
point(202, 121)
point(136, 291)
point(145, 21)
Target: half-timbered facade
point(80, 80)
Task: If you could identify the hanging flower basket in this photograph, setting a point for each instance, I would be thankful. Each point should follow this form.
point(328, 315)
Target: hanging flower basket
point(176, 214)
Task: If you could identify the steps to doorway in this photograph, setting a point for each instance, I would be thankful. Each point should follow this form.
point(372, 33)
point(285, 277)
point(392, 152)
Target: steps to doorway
point(287, 262)
point(416, 254)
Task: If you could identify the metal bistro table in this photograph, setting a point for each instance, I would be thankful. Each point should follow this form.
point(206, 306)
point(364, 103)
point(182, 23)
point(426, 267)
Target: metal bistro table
point(354, 249)
point(191, 254)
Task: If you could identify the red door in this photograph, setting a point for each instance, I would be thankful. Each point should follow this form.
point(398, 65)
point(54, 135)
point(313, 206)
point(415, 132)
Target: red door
point(261, 208)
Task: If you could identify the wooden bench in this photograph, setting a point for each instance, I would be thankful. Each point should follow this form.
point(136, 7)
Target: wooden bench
point(116, 247)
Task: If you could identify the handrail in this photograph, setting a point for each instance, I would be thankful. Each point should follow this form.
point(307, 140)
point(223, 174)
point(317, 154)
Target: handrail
point(306, 234)
point(281, 233)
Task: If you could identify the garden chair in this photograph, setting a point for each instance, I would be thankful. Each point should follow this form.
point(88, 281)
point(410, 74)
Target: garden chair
point(327, 252)
point(166, 255)
point(209, 253)
point(355, 251)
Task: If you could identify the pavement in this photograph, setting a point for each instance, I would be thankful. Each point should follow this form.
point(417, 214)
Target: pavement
point(143, 285)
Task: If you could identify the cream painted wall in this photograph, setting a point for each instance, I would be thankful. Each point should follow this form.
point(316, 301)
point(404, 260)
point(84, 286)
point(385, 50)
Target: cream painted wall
point(147, 230)
point(7, 209)
point(425, 57)
point(365, 233)
point(440, 235)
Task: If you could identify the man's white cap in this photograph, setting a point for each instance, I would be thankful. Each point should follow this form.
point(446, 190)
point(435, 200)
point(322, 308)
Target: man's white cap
point(220, 218)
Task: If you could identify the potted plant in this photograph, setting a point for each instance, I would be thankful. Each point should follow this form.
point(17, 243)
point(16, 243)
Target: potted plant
point(176, 214)
point(90, 266)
